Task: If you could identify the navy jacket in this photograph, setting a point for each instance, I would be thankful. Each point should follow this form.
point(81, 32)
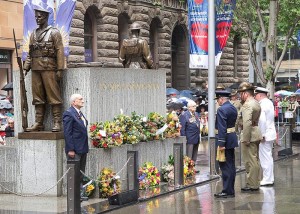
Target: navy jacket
point(190, 127)
point(75, 132)
point(226, 118)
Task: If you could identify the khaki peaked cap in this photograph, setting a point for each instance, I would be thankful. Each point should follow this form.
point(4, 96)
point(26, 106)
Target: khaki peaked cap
point(245, 86)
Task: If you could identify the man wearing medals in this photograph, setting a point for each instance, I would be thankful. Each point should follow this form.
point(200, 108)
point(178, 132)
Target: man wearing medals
point(190, 123)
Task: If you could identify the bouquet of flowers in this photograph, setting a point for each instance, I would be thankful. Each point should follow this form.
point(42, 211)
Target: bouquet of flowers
point(189, 167)
point(106, 135)
point(167, 170)
point(108, 184)
point(130, 128)
point(152, 125)
point(89, 187)
point(148, 176)
point(174, 126)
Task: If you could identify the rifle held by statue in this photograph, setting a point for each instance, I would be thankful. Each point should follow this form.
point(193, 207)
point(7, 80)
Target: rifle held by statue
point(23, 96)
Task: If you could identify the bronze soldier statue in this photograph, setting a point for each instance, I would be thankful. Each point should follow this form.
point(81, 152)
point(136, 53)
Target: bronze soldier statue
point(46, 60)
point(134, 52)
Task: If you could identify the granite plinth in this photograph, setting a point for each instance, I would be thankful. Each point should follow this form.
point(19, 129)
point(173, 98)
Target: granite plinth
point(42, 135)
point(32, 166)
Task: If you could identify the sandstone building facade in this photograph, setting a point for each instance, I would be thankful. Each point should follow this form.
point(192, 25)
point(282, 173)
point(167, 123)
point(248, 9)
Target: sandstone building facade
point(99, 26)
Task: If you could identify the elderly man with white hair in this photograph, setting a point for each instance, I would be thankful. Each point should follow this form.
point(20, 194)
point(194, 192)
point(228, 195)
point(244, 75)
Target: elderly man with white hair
point(190, 123)
point(75, 132)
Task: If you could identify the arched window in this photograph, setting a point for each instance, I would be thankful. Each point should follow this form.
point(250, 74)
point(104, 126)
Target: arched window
point(154, 40)
point(90, 38)
point(123, 27)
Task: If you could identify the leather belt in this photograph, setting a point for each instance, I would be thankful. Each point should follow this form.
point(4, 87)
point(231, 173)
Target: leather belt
point(229, 130)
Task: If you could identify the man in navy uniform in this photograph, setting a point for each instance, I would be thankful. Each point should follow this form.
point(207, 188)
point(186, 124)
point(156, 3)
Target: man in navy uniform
point(226, 142)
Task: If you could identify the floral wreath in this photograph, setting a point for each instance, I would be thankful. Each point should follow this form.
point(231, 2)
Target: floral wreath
point(149, 176)
point(89, 187)
point(108, 184)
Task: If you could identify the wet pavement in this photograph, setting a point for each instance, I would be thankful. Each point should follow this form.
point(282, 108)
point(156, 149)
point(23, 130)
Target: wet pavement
point(197, 197)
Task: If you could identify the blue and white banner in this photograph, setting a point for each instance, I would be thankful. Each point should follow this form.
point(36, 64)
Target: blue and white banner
point(198, 30)
point(64, 15)
point(29, 19)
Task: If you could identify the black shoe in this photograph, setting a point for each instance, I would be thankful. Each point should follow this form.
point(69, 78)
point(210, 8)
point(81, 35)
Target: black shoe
point(224, 195)
point(197, 171)
point(267, 185)
point(248, 189)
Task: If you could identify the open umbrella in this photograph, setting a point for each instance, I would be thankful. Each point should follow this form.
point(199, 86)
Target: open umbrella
point(235, 85)
point(187, 93)
point(175, 106)
point(170, 91)
point(8, 87)
point(283, 93)
point(297, 92)
point(5, 104)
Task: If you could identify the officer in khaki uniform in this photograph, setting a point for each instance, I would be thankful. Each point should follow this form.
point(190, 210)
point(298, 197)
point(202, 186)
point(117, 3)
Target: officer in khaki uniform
point(236, 103)
point(250, 136)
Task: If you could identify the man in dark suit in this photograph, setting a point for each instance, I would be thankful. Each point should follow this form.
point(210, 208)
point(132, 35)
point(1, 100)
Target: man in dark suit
point(190, 123)
point(75, 132)
point(226, 142)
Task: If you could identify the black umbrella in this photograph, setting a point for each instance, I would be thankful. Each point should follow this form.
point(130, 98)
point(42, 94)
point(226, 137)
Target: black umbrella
point(175, 106)
point(235, 85)
point(8, 87)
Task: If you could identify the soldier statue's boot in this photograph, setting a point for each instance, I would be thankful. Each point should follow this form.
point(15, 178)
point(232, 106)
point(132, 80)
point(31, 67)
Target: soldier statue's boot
point(39, 119)
point(56, 113)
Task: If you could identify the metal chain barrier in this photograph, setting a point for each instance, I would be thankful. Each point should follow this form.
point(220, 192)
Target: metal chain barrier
point(117, 176)
point(18, 194)
point(283, 135)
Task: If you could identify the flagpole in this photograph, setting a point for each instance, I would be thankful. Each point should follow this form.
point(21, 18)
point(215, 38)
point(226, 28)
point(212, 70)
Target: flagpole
point(211, 68)
point(211, 81)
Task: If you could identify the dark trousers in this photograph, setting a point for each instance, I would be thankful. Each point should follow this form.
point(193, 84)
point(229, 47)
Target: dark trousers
point(82, 163)
point(192, 151)
point(228, 171)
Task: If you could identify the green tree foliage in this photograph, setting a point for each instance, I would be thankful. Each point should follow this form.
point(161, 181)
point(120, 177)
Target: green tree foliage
point(275, 23)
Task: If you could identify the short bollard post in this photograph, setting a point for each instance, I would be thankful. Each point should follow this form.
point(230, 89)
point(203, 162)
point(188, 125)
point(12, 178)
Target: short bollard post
point(213, 163)
point(178, 164)
point(73, 185)
point(132, 170)
point(288, 142)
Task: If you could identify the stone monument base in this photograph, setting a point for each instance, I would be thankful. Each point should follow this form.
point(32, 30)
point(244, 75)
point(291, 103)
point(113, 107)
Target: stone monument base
point(31, 166)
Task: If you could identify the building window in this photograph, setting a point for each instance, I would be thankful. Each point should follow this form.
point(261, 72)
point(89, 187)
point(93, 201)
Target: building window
point(123, 27)
point(154, 40)
point(90, 39)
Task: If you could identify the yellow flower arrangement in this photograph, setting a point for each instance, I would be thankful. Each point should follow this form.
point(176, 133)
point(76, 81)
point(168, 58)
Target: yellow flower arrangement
point(108, 184)
point(148, 175)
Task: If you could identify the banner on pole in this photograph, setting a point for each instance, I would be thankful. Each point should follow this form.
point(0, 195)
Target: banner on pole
point(29, 19)
point(198, 30)
point(64, 15)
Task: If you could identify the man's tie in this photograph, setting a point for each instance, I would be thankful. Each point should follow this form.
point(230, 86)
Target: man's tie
point(82, 118)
